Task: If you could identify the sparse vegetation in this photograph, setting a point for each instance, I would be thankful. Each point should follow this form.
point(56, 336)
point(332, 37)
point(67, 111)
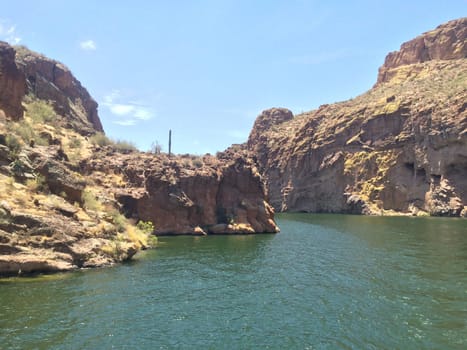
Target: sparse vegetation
point(75, 142)
point(115, 248)
point(40, 111)
point(156, 147)
point(100, 139)
point(146, 230)
point(147, 227)
point(119, 220)
point(39, 184)
point(90, 201)
point(24, 130)
point(124, 146)
point(13, 143)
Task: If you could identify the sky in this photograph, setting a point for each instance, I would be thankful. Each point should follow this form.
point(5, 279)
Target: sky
point(206, 68)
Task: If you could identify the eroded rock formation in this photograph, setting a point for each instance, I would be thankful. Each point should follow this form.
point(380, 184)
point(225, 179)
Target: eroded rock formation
point(215, 196)
point(52, 81)
point(399, 148)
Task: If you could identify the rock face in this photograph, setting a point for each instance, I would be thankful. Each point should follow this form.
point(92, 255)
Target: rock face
point(50, 80)
point(67, 201)
point(447, 42)
point(12, 83)
point(216, 196)
point(399, 148)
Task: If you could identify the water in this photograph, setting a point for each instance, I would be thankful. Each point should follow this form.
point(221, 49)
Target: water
point(324, 282)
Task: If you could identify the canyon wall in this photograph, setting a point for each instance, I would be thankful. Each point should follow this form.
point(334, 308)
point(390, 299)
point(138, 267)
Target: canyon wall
point(401, 147)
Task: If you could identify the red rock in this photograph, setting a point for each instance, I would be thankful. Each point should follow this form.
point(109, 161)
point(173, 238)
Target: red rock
point(12, 83)
point(392, 148)
point(446, 42)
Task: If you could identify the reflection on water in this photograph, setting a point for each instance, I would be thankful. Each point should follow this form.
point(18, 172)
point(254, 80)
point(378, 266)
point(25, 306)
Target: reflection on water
point(324, 282)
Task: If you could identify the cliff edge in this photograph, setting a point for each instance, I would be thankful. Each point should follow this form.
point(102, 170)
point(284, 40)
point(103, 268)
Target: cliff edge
point(400, 148)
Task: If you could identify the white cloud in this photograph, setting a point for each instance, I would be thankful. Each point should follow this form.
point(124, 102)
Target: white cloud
point(88, 45)
point(127, 113)
point(121, 109)
point(142, 114)
point(8, 33)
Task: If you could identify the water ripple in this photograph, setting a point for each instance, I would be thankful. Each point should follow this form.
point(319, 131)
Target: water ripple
point(324, 282)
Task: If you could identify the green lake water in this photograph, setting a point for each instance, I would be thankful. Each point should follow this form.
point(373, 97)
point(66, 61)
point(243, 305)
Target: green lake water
point(324, 282)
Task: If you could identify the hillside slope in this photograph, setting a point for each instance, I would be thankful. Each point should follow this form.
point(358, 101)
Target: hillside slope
point(401, 147)
point(70, 197)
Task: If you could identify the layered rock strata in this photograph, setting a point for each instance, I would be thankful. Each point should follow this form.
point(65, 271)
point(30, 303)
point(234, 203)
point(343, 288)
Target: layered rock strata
point(399, 148)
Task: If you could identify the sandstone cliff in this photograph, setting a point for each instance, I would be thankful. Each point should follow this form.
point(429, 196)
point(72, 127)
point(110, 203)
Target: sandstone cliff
point(399, 148)
point(70, 197)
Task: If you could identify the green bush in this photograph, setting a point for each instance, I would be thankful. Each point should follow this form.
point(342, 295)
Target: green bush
point(119, 221)
point(146, 227)
point(100, 139)
point(24, 130)
point(90, 201)
point(41, 111)
point(39, 184)
point(13, 143)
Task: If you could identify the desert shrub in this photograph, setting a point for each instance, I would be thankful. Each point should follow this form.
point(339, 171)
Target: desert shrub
point(124, 146)
point(90, 201)
point(100, 139)
point(146, 227)
point(151, 241)
point(144, 232)
point(24, 130)
point(114, 249)
point(39, 184)
point(119, 221)
point(75, 142)
point(13, 143)
point(41, 111)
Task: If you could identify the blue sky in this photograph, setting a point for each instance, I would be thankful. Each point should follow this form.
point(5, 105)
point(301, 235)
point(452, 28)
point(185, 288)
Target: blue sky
point(207, 68)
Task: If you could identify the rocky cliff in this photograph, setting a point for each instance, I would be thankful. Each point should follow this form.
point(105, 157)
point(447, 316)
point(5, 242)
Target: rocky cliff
point(189, 194)
point(399, 148)
point(70, 197)
point(447, 42)
point(12, 84)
